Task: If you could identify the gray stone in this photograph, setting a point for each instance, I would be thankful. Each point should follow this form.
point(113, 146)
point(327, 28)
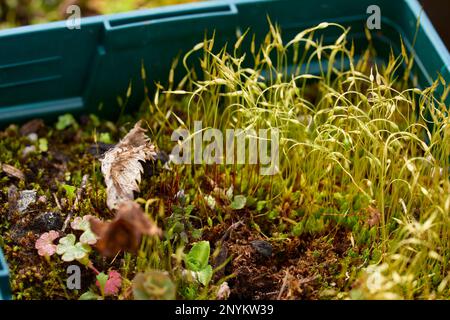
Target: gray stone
point(33, 137)
point(262, 247)
point(47, 221)
point(26, 198)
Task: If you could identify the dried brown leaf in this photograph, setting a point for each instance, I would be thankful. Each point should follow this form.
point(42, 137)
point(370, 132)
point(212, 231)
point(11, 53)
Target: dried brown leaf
point(13, 171)
point(122, 167)
point(125, 231)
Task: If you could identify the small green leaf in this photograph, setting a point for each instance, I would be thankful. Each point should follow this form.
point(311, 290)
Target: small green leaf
point(238, 202)
point(94, 119)
point(66, 121)
point(105, 138)
point(189, 209)
point(260, 205)
point(130, 87)
point(198, 257)
point(197, 233)
point(297, 229)
point(89, 295)
point(102, 278)
point(273, 214)
point(70, 191)
point(204, 276)
point(43, 144)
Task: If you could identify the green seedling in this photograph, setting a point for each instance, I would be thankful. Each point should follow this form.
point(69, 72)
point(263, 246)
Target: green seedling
point(65, 121)
point(70, 250)
point(197, 261)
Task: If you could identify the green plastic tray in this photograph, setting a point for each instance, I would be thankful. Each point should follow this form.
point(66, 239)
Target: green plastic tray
point(47, 70)
point(5, 293)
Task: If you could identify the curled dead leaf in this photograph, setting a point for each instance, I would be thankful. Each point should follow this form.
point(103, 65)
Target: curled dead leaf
point(125, 231)
point(122, 167)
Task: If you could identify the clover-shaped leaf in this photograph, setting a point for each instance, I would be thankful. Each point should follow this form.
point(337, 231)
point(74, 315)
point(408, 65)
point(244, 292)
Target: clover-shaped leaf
point(80, 223)
point(88, 237)
point(83, 224)
point(45, 245)
point(70, 251)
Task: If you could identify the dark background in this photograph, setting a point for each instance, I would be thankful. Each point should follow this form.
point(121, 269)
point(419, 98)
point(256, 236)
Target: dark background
point(439, 13)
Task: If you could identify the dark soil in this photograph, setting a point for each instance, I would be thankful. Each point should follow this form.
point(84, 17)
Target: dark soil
point(298, 268)
point(304, 267)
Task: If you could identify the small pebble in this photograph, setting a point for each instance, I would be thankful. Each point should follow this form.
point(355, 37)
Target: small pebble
point(48, 221)
point(42, 199)
point(262, 247)
point(26, 198)
point(33, 137)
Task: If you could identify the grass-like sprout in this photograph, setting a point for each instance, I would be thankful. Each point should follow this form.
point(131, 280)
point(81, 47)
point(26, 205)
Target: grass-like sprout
point(354, 136)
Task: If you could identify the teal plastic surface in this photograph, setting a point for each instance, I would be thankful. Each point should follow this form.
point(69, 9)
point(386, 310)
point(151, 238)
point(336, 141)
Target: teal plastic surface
point(46, 70)
point(5, 293)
